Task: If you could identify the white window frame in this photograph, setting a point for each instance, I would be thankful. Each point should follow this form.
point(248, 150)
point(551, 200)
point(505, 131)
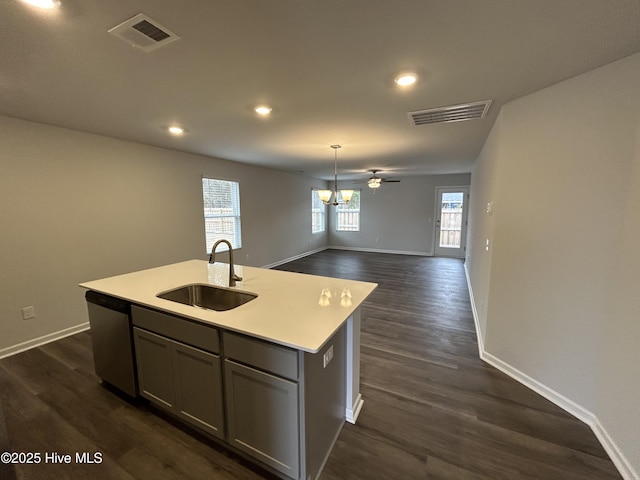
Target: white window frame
point(222, 222)
point(348, 208)
point(318, 213)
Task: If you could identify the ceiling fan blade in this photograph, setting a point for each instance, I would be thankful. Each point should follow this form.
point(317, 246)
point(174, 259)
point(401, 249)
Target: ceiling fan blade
point(390, 181)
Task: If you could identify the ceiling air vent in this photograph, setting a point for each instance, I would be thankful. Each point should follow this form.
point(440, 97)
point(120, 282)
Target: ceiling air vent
point(452, 113)
point(144, 33)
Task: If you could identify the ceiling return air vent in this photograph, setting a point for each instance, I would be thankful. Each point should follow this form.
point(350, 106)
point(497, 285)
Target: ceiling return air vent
point(452, 113)
point(144, 33)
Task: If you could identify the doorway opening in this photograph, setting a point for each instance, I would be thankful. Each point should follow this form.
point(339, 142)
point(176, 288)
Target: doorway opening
point(451, 221)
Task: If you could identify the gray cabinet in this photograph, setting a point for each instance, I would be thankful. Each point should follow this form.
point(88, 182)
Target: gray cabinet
point(263, 407)
point(280, 406)
point(199, 388)
point(262, 416)
point(182, 379)
point(155, 368)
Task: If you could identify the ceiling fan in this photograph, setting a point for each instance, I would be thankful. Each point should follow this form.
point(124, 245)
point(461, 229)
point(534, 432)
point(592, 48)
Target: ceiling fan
point(375, 181)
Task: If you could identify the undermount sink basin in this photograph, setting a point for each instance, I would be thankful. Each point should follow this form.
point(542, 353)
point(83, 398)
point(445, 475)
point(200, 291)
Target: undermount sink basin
point(207, 296)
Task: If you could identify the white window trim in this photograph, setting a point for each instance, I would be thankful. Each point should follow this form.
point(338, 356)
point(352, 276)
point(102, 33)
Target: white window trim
point(338, 211)
point(322, 210)
point(236, 237)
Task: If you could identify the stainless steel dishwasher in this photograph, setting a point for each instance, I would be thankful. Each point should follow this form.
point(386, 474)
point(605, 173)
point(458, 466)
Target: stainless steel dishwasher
point(111, 335)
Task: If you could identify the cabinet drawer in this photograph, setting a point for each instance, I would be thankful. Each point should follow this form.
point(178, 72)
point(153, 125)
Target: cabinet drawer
point(181, 329)
point(266, 356)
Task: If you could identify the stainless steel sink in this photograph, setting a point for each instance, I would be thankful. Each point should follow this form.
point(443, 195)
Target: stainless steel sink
point(207, 296)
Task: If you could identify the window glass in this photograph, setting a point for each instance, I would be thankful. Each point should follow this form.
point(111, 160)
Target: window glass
point(221, 200)
point(348, 215)
point(318, 219)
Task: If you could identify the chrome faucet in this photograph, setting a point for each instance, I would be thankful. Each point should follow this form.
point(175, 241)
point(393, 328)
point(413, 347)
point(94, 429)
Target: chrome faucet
point(233, 278)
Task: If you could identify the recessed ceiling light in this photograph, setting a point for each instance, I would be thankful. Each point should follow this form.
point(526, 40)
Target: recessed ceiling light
point(176, 130)
point(406, 79)
point(263, 109)
point(48, 4)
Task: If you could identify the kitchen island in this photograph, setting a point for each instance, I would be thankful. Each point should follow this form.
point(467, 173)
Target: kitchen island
point(274, 378)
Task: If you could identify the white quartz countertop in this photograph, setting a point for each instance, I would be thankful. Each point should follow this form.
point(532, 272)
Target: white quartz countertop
point(293, 309)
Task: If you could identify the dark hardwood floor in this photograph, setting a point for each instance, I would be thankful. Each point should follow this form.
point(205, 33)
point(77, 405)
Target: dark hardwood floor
point(433, 409)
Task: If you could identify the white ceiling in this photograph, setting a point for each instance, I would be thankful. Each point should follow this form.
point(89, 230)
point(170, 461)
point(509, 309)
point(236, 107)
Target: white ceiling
point(326, 67)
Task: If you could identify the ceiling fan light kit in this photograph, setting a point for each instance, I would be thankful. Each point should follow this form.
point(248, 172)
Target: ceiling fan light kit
point(263, 110)
point(339, 197)
point(374, 182)
point(175, 130)
point(45, 4)
point(406, 79)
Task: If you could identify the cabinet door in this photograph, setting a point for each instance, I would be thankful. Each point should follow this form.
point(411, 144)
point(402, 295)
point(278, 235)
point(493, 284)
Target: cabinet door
point(199, 388)
point(262, 417)
point(155, 368)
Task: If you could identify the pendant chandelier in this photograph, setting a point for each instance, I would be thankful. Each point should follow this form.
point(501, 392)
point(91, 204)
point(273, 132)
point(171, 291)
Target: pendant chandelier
point(339, 197)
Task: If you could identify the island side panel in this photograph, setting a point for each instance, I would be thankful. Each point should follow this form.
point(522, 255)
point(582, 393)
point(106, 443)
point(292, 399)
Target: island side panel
point(325, 394)
point(354, 400)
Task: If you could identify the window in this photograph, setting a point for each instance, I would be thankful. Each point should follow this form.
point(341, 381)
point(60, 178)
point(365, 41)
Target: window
point(221, 200)
point(318, 220)
point(348, 215)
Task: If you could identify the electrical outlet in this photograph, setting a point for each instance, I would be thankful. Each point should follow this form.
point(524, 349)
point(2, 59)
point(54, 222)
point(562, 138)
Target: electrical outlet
point(328, 355)
point(28, 312)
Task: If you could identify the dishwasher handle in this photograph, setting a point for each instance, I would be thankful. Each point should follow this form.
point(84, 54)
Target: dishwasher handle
point(106, 301)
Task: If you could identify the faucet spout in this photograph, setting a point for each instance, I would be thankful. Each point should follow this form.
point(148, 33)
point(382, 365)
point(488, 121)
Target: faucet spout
point(233, 278)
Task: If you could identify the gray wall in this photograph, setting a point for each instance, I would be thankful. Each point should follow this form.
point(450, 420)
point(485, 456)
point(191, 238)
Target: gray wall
point(398, 217)
point(76, 207)
point(558, 294)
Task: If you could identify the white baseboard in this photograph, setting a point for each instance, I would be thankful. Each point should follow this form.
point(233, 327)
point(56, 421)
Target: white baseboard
point(475, 313)
point(36, 342)
point(353, 412)
point(378, 250)
point(354, 249)
point(295, 257)
point(560, 400)
point(617, 457)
